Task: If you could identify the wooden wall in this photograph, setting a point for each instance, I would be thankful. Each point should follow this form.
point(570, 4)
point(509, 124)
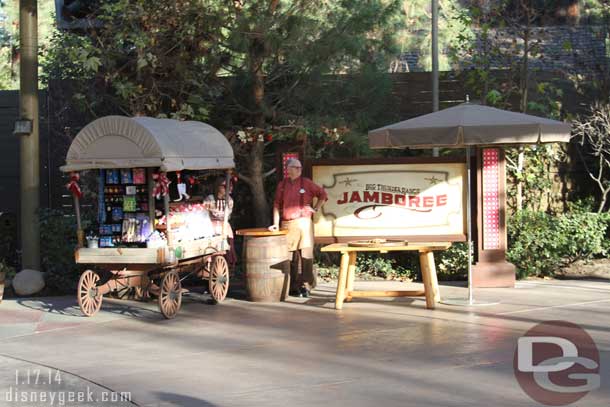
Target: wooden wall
point(411, 96)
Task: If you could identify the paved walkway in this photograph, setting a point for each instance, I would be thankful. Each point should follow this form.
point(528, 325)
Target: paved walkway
point(374, 352)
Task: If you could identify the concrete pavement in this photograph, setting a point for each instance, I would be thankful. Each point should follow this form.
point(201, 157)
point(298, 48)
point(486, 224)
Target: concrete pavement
point(374, 352)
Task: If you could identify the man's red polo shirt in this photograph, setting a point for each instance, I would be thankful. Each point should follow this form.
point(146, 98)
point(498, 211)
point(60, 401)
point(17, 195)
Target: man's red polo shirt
point(288, 197)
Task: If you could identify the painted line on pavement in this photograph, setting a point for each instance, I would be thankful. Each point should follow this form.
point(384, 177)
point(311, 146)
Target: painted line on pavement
point(576, 304)
point(563, 286)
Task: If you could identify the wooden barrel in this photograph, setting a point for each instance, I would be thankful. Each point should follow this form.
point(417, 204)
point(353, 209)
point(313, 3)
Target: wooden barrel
point(267, 268)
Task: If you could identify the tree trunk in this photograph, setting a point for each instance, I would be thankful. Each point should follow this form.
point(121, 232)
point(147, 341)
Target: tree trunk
point(262, 212)
point(524, 84)
point(520, 164)
point(524, 70)
point(602, 204)
point(255, 163)
point(257, 53)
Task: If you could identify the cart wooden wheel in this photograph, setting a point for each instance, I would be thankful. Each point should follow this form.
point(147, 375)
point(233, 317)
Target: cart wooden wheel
point(89, 300)
point(219, 278)
point(170, 296)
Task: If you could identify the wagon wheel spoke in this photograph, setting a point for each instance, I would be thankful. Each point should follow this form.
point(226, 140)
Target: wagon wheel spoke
point(88, 298)
point(170, 297)
point(219, 278)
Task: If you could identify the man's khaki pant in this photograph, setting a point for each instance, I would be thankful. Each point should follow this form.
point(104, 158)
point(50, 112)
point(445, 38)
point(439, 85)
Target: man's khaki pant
point(300, 243)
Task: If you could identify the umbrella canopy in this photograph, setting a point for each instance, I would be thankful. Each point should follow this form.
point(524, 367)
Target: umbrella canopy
point(127, 142)
point(469, 125)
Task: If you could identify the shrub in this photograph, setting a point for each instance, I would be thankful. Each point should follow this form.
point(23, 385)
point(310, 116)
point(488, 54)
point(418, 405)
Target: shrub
point(57, 245)
point(540, 243)
point(390, 267)
point(452, 264)
point(327, 273)
point(7, 269)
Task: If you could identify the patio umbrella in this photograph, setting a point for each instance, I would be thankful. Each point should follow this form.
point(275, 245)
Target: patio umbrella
point(464, 126)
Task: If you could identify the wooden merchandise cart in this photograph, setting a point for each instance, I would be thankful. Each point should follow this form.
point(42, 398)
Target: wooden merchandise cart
point(156, 146)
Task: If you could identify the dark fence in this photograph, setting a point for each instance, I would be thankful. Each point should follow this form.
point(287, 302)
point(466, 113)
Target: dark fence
point(60, 121)
point(9, 150)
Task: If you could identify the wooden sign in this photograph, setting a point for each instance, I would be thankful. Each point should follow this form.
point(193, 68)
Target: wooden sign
point(417, 201)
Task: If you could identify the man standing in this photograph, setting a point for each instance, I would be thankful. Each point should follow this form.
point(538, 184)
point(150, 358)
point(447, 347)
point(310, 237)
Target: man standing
point(294, 202)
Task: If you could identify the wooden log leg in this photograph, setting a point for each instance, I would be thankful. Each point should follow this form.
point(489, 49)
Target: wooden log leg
point(351, 275)
point(341, 284)
point(433, 277)
point(428, 271)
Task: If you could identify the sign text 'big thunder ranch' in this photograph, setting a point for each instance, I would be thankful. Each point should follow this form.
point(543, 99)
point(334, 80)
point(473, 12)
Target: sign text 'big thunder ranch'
point(411, 201)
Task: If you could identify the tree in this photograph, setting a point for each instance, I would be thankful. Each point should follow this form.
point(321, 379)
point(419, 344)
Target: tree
point(416, 35)
point(9, 38)
point(146, 58)
point(593, 135)
point(239, 64)
point(497, 63)
point(279, 47)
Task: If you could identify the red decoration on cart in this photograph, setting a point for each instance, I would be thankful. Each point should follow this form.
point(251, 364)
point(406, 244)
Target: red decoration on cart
point(161, 184)
point(73, 185)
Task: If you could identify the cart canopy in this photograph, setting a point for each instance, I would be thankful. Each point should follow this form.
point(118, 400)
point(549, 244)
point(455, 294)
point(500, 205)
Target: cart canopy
point(127, 142)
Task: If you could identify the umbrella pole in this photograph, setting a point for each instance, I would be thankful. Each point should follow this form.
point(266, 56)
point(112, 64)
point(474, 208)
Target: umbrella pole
point(469, 225)
point(470, 301)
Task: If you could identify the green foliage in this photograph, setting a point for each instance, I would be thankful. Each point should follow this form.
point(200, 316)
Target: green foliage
point(597, 11)
point(290, 46)
point(371, 266)
point(238, 65)
point(148, 57)
point(175, 58)
point(536, 174)
point(539, 243)
point(9, 39)
point(9, 252)
point(592, 132)
point(57, 255)
point(452, 264)
point(417, 36)
point(327, 272)
point(473, 49)
point(546, 101)
point(70, 56)
point(9, 271)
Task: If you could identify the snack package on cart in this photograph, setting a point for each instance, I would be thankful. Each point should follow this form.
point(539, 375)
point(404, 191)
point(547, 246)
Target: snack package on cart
point(190, 222)
point(157, 239)
point(139, 176)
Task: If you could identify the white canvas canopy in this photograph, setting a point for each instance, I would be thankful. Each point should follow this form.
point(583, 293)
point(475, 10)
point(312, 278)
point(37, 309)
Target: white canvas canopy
point(127, 142)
